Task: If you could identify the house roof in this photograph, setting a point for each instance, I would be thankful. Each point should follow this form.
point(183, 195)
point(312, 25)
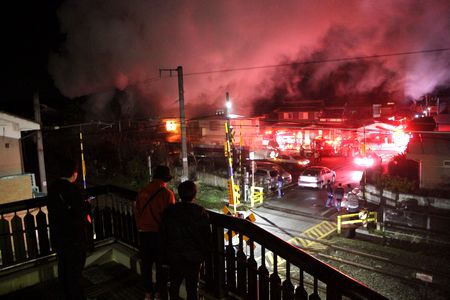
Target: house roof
point(332, 113)
point(221, 117)
point(378, 126)
point(298, 109)
point(11, 126)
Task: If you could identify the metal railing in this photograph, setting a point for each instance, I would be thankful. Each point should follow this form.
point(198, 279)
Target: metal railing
point(239, 265)
point(356, 219)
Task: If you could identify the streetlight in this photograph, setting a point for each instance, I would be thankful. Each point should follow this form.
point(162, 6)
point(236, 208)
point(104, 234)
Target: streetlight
point(228, 106)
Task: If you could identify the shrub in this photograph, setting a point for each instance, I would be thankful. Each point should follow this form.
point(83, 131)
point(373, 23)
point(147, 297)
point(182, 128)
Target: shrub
point(405, 168)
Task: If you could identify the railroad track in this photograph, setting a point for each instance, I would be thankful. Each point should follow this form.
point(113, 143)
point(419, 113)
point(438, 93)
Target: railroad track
point(419, 273)
point(397, 273)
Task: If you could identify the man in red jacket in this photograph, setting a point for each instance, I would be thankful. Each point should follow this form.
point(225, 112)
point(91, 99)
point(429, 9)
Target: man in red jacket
point(151, 202)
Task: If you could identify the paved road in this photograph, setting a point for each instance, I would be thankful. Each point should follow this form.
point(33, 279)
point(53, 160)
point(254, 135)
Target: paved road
point(303, 208)
point(302, 211)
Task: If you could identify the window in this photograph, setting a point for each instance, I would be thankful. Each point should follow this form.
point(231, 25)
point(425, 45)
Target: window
point(261, 172)
point(303, 115)
point(446, 163)
point(273, 173)
point(288, 116)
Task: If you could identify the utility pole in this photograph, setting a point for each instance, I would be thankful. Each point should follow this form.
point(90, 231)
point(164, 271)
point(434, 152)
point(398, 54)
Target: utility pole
point(40, 144)
point(184, 156)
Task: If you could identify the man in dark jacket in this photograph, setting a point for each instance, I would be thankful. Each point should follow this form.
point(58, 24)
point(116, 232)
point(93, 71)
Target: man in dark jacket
point(68, 220)
point(329, 188)
point(339, 194)
point(185, 240)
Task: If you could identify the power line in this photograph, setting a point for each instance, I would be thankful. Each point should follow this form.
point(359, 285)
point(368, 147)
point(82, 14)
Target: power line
point(297, 63)
point(317, 61)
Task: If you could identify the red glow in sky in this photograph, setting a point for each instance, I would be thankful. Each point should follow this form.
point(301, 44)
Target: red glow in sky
point(123, 44)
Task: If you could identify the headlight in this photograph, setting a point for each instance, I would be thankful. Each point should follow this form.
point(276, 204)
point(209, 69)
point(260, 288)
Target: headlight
point(364, 161)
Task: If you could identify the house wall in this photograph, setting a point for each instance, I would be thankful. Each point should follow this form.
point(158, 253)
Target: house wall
point(212, 132)
point(434, 172)
point(10, 157)
point(15, 188)
point(300, 115)
point(433, 153)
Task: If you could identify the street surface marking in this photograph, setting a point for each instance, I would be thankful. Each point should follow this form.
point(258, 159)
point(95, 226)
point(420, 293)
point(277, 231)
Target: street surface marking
point(318, 232)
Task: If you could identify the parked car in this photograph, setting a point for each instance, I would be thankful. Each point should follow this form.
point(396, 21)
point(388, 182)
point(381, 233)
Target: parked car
point(316, 177)
point(287, 176)
point(266, 174)
point(292, 159)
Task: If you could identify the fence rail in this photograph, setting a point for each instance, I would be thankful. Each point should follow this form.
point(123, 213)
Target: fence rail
point(238, 265)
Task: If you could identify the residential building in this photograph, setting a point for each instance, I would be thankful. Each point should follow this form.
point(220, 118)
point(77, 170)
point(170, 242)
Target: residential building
point(209, 131)
point(14, 183)
point(432, 152)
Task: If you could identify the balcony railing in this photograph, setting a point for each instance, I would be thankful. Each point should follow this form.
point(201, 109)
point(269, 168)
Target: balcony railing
point(246, 261)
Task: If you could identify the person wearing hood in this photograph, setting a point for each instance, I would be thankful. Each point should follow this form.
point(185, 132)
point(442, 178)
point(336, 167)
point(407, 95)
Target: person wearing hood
point(185, 241)
point(352, 202)
point(151, 202)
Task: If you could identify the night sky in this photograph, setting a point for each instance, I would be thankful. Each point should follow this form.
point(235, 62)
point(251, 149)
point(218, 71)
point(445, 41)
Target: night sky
point(105, 54)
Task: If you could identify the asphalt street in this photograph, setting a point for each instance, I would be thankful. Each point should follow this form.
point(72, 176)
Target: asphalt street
point(302, 208)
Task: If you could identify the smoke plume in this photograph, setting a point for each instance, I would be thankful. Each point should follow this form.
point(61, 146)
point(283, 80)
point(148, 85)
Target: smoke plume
point(121, 45)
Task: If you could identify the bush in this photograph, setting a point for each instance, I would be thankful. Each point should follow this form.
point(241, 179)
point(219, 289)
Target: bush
point(405, 168)
point(211, 197)
point(393, 183)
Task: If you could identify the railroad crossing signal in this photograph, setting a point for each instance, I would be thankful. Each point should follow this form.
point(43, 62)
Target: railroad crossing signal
point(234, 193)
point(251, 218)
point(227, 212)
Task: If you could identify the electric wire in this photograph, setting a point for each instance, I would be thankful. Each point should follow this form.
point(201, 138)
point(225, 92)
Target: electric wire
point(299, 63)
point(307, 62)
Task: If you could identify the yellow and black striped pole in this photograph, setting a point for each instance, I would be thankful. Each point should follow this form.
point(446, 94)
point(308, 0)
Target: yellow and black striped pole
point(83, 164)
point(229, 155)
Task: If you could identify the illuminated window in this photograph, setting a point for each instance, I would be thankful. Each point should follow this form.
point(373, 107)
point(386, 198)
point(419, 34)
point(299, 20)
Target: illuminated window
point(303, 115)
point(288, 116)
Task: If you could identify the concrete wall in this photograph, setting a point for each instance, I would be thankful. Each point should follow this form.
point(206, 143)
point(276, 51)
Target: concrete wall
point(212, 180)
point(15, 188)
point(392, 199)
point(10, 157)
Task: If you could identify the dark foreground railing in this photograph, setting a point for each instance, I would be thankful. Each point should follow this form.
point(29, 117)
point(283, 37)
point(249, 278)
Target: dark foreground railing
point(246, 262)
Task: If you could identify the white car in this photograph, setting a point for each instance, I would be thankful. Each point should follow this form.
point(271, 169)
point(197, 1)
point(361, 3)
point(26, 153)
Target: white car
point(292, 159)
point(316, 177)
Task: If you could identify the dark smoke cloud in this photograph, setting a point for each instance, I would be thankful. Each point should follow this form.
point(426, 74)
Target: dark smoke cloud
point(120, 45)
